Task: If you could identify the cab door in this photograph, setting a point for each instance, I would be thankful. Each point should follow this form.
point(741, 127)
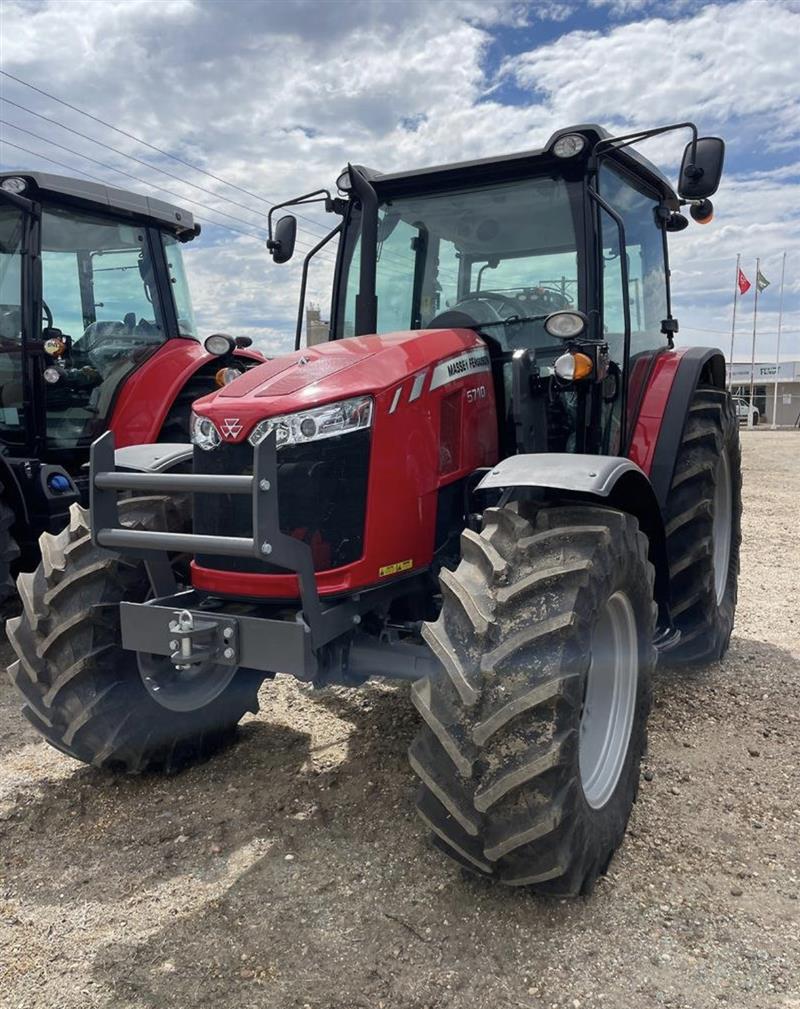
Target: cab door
point(647, 292)
point(13, 427)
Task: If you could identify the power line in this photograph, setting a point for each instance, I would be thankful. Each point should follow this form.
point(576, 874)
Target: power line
point(162, 171)
point(95, 178)
point(128, 175)
point(139, 161)
point(136, 178)
point(145, 143)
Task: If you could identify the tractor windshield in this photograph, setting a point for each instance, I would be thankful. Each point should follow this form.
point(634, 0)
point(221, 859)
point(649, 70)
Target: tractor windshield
point(503, 254)
point(102, 313)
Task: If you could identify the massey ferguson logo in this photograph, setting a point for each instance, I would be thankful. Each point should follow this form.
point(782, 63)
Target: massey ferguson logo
point(231, 428)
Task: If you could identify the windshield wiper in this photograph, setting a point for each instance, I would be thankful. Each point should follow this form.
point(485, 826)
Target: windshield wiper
point(514, 320)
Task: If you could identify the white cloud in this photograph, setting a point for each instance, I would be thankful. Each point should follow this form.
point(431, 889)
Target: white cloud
point(278, 97)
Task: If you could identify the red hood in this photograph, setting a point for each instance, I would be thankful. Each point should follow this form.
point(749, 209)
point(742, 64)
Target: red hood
point(357, 366)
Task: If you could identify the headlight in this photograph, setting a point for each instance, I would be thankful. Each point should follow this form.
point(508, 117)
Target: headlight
point(314, 425)
point(565, 325)
point(203, 433)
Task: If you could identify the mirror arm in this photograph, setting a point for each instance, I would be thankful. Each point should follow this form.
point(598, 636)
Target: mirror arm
point(318, 196)
point(304, 280)
point(617, 143)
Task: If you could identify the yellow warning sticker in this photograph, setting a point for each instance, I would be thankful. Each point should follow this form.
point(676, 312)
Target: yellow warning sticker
point(395, 569)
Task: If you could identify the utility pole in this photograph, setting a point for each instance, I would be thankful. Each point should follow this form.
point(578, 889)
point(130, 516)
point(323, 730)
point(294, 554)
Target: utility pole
point(778, 348)
point(753, 351)
point(733, 320)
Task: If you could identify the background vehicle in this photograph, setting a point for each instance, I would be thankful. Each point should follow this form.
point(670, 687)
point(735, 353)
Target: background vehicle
point(744, 411)
point(96, 333)
point(498, 480)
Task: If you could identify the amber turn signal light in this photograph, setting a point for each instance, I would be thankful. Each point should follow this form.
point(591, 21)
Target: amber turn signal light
point(226, 375)
point(573, 366)
point(702, 212)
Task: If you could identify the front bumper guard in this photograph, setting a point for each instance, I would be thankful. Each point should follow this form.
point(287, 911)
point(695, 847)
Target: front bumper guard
point(313, 627)
point(192, 628)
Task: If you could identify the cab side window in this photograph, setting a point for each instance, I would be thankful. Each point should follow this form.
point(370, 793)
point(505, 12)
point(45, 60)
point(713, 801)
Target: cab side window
point(647, 280)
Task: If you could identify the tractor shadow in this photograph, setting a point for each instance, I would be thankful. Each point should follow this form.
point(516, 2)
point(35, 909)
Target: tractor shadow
point(351, 907)
point(85, 836)
point(291, 869)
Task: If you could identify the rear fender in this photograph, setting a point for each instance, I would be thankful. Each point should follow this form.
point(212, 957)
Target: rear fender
point(590, 479)
point(665, 409)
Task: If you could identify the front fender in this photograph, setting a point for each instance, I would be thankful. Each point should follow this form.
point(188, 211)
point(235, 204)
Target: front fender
point(612, 480)
point(149, 392)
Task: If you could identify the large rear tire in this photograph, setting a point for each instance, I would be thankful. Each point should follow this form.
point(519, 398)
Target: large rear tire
point(535, 728)
point(9, 551)
point(703, 526)
point(81, 690)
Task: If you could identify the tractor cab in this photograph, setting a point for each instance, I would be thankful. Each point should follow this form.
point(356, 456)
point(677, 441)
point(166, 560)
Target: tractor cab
point(92, 283)
point(558, 257)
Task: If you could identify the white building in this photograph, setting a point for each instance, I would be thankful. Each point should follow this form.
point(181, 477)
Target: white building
point(771, 383)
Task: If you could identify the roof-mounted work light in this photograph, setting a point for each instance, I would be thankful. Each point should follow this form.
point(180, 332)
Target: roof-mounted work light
point(569, 145)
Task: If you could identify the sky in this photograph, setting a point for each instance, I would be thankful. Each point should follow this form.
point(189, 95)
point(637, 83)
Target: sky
point(251, 103)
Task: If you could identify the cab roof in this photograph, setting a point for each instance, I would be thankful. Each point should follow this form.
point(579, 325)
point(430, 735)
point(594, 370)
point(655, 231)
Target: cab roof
point(508, 165)
point(104, 198)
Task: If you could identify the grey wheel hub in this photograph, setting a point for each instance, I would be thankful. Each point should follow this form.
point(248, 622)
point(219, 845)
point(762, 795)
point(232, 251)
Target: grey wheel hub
point(722, 525)
point(610, 700)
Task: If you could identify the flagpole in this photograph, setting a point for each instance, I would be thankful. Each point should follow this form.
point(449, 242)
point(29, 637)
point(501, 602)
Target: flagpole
point(778, 348)
point(753, 352)
point(733, 321)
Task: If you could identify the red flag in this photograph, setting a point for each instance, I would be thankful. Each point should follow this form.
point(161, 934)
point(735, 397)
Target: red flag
point(744, 283)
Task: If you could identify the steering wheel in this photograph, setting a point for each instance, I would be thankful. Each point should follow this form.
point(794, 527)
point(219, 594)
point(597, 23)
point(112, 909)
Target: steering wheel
point(48, 315)
point(500, 306)
point(545, 300)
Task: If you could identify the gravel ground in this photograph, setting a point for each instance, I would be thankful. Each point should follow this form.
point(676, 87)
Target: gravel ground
point(291, 872)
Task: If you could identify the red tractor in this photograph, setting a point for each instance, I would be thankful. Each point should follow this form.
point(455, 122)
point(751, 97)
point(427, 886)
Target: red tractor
point(498, 480)
point(96, 333)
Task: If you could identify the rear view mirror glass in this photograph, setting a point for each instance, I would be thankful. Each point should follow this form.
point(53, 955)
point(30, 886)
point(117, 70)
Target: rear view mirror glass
point(282, 243)
point(701, 168)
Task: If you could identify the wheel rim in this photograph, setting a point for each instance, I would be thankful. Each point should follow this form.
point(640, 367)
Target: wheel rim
point(183, 689)
point(723, 512)
point(610, 700)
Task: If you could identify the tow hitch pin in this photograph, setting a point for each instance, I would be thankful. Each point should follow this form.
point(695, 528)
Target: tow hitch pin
point(181, 626)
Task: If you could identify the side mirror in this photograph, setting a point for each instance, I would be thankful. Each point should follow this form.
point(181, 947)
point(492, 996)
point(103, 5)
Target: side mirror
point(281, 244)
point(701, 168)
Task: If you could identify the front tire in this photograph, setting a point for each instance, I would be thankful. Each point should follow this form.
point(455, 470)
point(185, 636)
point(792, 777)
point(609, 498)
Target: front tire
point(703, 527)
point(81, 690)
point(515, 782)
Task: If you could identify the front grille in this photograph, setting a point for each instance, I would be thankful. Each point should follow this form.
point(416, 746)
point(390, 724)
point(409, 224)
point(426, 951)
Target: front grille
point(322, 498)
